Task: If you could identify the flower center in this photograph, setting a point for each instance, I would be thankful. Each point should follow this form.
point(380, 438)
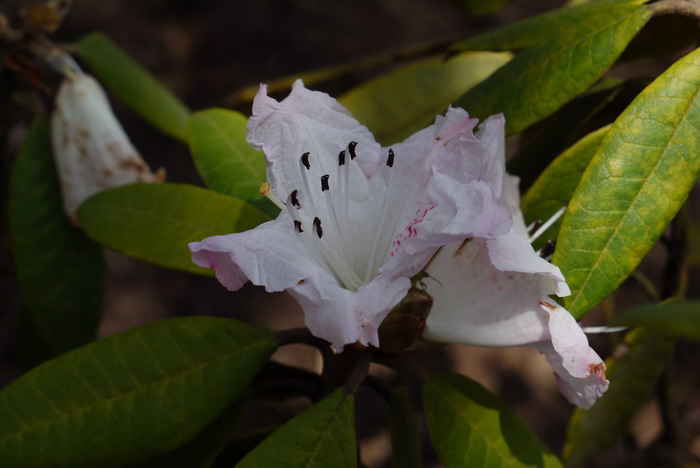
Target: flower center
point(344, 238)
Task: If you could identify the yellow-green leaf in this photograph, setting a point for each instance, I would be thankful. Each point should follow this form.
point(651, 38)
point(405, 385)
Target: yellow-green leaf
point(635, 184)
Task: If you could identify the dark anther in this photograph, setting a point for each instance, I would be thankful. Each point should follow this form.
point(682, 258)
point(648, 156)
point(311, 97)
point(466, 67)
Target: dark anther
point(305, 161)
point(548, 249)
point(295, 199)
point(351, 149)
point(318, 228)
point(341, 158)
point(297, 225)
point(535, 226)
point(324, 183)
point(390, 159)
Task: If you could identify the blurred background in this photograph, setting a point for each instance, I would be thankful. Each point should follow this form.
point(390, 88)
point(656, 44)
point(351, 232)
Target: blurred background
point(207, 51)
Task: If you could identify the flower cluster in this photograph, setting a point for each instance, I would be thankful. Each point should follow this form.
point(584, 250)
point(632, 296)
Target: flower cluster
point(359, 221)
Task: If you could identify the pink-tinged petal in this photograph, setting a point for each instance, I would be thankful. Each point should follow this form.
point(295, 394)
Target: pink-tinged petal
point(342, 316)
point(270, 255)
point(580, 371)
point(492, 136)
point(513, 252)
point(306, 121)
point(476, 304)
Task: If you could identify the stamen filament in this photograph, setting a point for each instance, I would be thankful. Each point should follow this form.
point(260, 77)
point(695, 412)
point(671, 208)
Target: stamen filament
point(547, 224)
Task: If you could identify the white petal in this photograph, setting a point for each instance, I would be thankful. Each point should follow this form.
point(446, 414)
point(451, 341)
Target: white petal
point(91, 149)
point(270, 255)
point(306, 121)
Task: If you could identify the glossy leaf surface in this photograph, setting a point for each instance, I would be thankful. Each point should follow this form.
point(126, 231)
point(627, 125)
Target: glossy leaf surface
point(60, 271)
point(551, 73)
point(321, 436)
point(635, 184)
point(396, 105)
point(134, 85)
point(155, 222)
point(128, 397)
point(470, 427)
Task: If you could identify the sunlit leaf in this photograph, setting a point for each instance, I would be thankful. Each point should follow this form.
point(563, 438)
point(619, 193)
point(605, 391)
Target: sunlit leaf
point(131, 396)
point(633, 378)
point(539, 28)
point(635, 184)
point(60, 271)
point(470, 427)
point(550, 73)
point(134, 85)
point(396, 105)
point(321, 436)
point(225, 160)
point(155, 222)
point(553, 188)
point(678, 319)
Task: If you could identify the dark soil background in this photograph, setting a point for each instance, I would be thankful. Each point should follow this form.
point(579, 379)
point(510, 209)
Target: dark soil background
point(204, 51)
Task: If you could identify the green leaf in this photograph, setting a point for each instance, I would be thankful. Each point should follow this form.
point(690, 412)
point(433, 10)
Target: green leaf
point(60, 271)
point(550, 73)
point(635, 184)
point(406, 446)
point(224, 158)
point(204, 449)
point(479, 7)
point(554, 187)
point(321, 436)
point(396, 105)
point(544, 141)
point(155, 222)
point(134, 85)
point(538, 29)
point(678, 319)
point(632, 378)
point(131, 396)
point(471, 427)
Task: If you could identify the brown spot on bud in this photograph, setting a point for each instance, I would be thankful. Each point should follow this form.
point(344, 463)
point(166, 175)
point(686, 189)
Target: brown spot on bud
point(548, 305)
point(464, 243)
point(597, 370)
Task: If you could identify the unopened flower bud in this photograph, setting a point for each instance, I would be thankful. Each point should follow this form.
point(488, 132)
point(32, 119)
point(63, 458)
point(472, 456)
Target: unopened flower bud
point(92, 151)
point(403, 328)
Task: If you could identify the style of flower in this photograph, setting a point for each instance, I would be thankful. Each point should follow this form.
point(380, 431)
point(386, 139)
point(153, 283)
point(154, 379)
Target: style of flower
point(359, 221)
point(91, 149)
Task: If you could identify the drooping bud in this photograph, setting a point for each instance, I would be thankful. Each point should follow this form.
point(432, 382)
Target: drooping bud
point(402, 329)
point(91, 149)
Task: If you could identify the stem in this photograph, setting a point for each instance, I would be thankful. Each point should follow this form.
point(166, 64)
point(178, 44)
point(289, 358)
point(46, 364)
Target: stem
point(676, 7)
point(400, 364)
point(359, 372)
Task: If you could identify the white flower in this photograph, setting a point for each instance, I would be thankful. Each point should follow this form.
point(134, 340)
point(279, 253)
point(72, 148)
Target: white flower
point(360, 220)
point(91, 149)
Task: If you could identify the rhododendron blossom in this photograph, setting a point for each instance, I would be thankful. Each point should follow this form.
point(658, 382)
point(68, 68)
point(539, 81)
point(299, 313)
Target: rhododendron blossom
point(358, 221)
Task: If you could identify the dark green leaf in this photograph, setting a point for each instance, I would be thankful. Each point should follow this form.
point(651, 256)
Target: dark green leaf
point(550, 73)
point(60, 271)
point(479, 7)
point(544, 141)
point(131, 396)
point(540, 28)
point(554, 187)
point(203, 450)
point(678, 319)
point(470, 427)
point(322, 436)
point(396, 105)
point(224, 158)
point(155, 222)
point(406, 447)
point(633, 378)
point(134, 85)
point(635, 184)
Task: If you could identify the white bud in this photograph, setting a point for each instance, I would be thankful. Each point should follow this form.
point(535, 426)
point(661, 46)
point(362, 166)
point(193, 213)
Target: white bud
point(92, 151)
